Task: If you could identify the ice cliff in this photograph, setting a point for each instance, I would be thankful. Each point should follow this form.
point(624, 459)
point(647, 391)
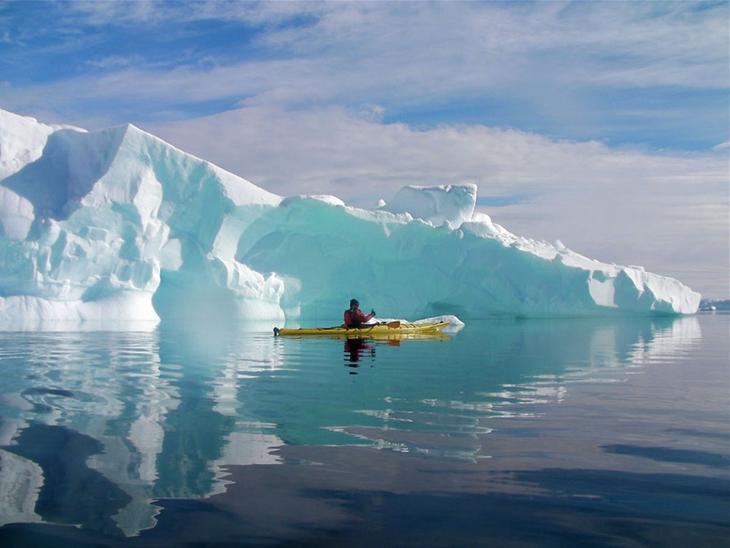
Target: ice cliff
point(119, 224)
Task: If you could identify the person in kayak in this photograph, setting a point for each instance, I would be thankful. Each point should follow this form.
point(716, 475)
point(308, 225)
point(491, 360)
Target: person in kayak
point(354, 316)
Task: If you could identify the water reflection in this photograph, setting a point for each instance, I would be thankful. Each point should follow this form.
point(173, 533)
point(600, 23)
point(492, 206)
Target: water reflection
point(125, 418)
point(355, 349)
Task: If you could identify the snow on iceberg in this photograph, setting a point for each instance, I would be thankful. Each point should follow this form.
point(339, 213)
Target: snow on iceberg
point(451, 204)
point(22, 140)
point(105, 222)
point(119, 224)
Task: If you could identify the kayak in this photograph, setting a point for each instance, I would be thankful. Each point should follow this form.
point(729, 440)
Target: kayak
point(375, 330)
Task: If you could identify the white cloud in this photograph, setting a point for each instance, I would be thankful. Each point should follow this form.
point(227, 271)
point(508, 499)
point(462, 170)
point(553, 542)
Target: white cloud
point(113, 61)
point(668, 212)
point(157, 12)
point(545, 54)
point(5, 38)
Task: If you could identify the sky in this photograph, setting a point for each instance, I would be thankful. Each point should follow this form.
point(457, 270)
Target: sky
point(603, 124)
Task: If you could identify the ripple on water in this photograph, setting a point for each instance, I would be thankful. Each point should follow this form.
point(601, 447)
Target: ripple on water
point(172, 413)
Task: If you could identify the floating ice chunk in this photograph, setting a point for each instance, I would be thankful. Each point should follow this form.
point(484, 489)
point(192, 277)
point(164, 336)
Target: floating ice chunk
point(455, 324)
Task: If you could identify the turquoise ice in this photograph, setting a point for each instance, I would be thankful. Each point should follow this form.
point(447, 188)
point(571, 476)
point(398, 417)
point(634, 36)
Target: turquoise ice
point(119, 225)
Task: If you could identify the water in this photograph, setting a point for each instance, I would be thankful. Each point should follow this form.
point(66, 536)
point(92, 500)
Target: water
point(561, 432)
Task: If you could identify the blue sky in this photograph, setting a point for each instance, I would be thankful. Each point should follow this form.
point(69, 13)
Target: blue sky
point(558, 110)
point(574, 82)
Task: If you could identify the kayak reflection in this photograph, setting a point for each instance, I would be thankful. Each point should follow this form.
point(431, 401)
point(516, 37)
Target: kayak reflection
point(354, 349)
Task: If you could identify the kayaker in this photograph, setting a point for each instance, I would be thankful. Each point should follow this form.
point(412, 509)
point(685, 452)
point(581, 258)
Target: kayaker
point(354, 316)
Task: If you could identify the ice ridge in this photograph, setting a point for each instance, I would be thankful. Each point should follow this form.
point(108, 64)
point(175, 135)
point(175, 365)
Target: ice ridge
point(120, 224)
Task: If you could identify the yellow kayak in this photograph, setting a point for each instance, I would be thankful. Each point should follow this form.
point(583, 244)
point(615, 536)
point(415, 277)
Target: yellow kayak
point(375, 330)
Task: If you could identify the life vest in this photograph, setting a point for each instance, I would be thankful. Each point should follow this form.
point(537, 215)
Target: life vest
point(352, 320)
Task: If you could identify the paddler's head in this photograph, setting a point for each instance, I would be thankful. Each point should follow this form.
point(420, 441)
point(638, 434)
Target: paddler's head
point(354, 304)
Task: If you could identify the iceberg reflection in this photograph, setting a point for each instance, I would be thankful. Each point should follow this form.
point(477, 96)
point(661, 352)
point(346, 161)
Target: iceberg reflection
point(164, 413)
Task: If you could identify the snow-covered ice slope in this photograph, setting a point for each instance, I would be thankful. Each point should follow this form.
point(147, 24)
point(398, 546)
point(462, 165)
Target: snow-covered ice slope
point(103, 222)
point(21, 141)
point(119, 224)
point(325, 252)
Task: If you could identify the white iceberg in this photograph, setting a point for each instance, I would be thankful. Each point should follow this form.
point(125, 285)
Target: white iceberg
point(450, 204)
point(117, 224)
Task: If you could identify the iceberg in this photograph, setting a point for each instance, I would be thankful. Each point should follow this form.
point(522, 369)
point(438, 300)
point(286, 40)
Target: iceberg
point(118, 224)
point(444, 204)
point(22, 140)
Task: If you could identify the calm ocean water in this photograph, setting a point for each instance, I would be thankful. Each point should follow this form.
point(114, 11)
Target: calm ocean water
point(510, 433)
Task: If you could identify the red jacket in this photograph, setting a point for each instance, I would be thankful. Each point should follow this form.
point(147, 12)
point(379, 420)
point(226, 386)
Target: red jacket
point(355, 318)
